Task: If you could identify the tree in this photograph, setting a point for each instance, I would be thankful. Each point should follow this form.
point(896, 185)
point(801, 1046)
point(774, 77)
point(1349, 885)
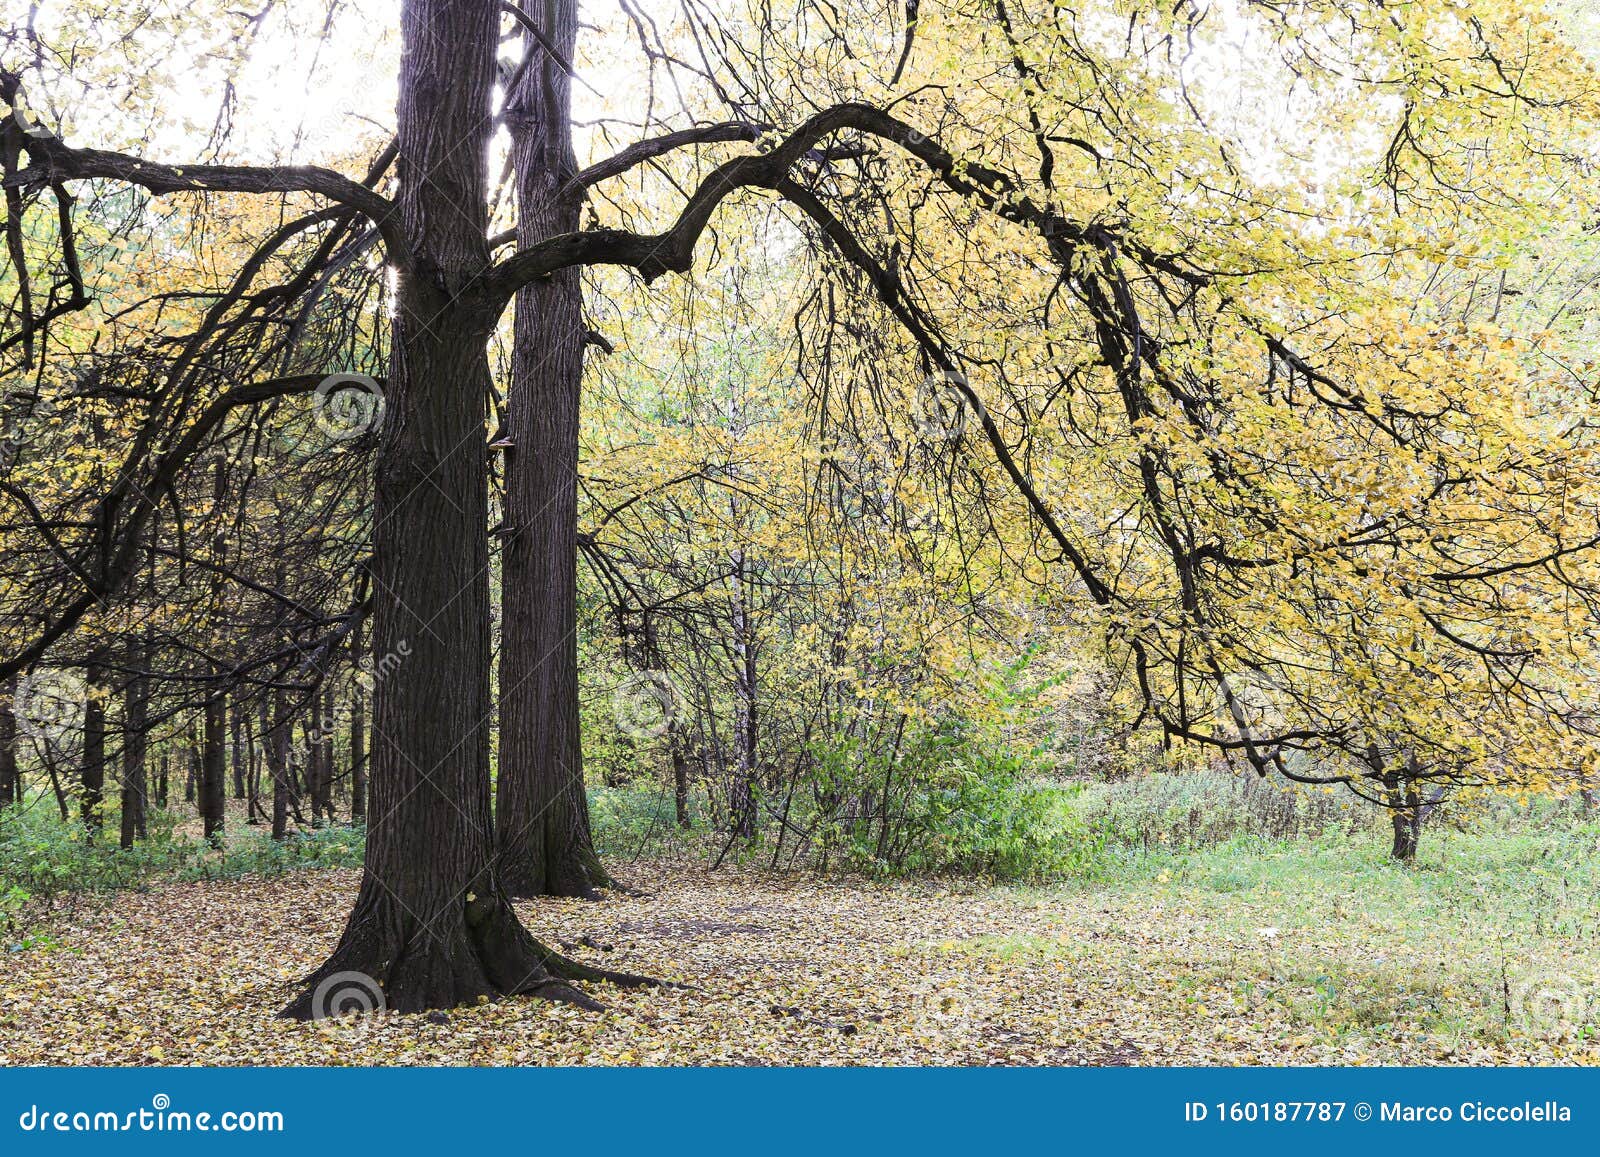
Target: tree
point(1179, 401)
point(542, 814)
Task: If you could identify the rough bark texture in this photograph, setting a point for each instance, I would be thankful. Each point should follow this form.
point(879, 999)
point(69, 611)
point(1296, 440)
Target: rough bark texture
point(542, 813)
point(432, 925)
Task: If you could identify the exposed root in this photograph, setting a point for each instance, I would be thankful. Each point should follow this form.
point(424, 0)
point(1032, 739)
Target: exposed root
point(384, 962)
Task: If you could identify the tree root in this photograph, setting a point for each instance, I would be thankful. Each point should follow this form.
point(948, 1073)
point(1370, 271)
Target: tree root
point(480, 951)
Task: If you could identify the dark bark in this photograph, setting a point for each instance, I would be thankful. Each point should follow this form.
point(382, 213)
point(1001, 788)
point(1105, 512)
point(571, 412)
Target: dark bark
point(680, 779)
point(92, 798)
point(236, 751)
point(10, 771)
point(742, 800)
point(431, 925)
point(542, 812)
point(135, 738)
point(162, 780)
point(253, 812)
point(214, 768)
point(1407, 825)
point(275, 738)
point(319, 759)
point(358, 753)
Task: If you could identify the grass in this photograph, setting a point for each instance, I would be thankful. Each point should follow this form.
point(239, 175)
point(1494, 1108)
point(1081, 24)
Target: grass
point(1491, 935)
point(1195, 921)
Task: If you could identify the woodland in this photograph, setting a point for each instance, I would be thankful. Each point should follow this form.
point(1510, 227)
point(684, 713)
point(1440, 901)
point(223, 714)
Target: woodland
point(799, 532)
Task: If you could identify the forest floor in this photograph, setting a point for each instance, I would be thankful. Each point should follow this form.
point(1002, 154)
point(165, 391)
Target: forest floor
point(1321, 956)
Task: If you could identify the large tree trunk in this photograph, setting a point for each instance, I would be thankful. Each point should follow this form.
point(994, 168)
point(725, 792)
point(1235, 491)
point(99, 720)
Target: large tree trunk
point(432, 927)
point(542, 813)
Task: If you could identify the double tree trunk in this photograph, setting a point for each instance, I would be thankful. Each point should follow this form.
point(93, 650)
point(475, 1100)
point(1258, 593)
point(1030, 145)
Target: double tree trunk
point(432, 926)
point(542, 813)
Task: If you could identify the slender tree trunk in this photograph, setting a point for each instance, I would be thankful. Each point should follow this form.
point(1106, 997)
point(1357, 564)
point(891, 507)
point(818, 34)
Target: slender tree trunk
point(236, 749)
point(161, 781)
point(325, 733)
point(680, 778)
point(135, 738)
point(542, 812)
point(94, 746)
point(214, 768)
point(10, 771)
point(252, 774)
point(275, 738)
point(432, 927)
point(742, 803)
point(192, 779)
point(358, 735)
